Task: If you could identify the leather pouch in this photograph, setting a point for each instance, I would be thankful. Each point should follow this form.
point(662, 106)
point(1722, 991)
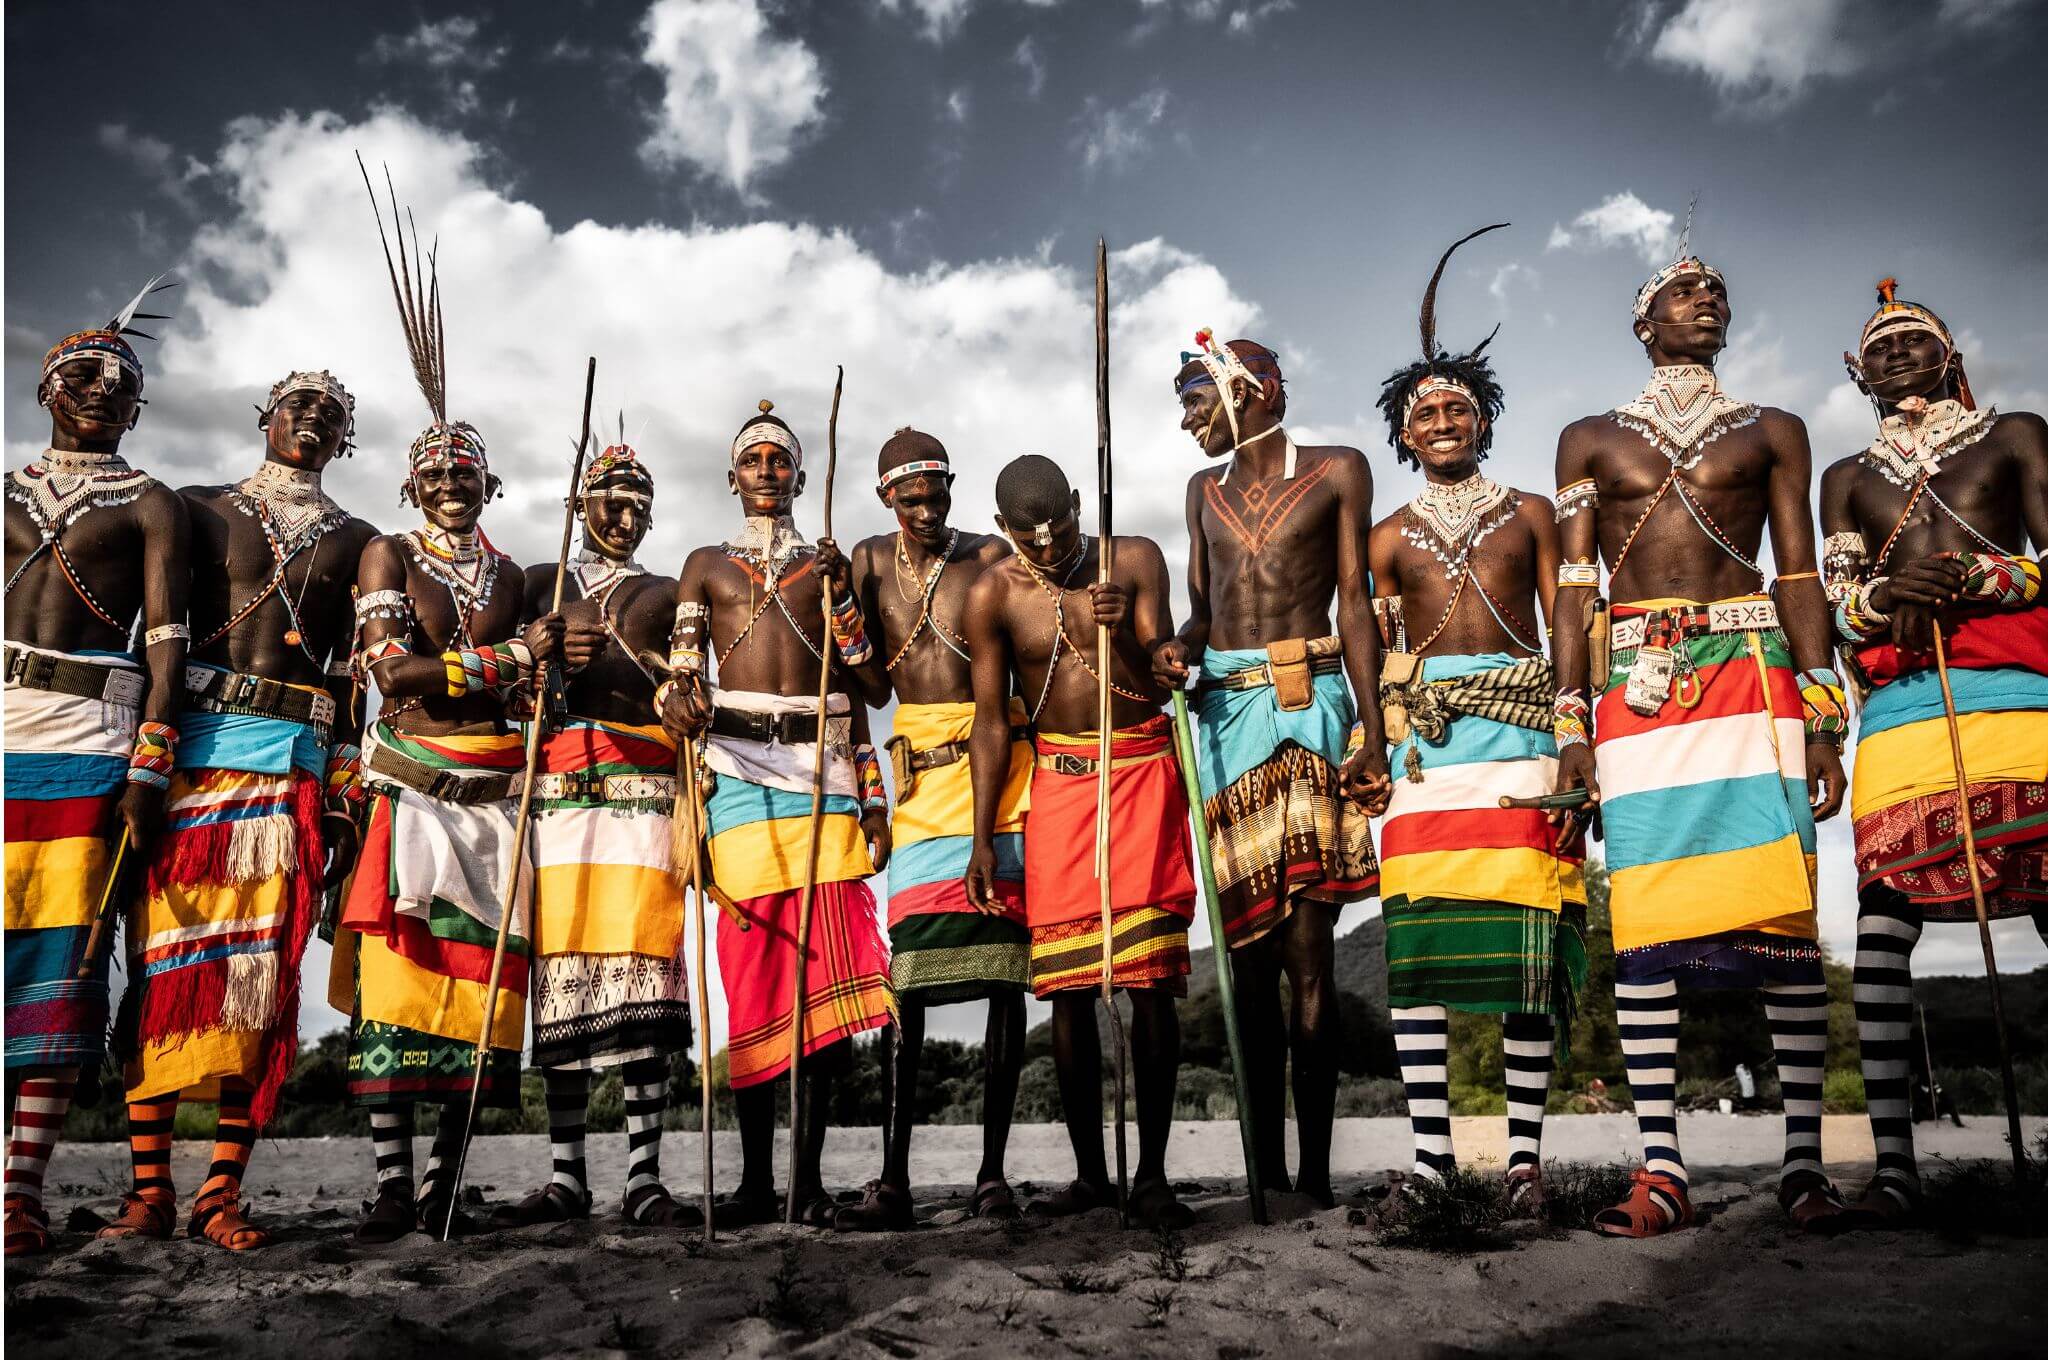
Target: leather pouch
point(900, 766)
point(1397, 671)
point(1293, 683)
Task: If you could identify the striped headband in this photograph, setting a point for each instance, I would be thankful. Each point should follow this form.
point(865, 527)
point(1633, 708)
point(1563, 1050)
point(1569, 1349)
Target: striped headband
point(1892, 314)
point(1437, 382)
point(617, 460)
point(768, 432)
point(105, 344)
point(905, 471)
point(451, 443)
point(1677, 269)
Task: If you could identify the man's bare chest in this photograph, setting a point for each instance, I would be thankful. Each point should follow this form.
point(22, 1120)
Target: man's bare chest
point(1279, 520)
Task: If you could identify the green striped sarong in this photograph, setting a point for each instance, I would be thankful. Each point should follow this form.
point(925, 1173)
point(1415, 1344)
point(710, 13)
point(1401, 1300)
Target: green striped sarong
point(1485, 956)
point(942, 957)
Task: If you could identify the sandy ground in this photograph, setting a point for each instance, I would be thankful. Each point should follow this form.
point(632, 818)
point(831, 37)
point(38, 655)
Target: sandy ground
point(1312, 1282)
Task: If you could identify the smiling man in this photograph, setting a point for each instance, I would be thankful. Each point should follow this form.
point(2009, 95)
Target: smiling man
point(943, 948)
point(1485, 906)
point(610, 984)
point(1717, 725)
point(1928, 527)
point(1289, 741)
point(261, 811)
point(755, 604)
point(90, 734)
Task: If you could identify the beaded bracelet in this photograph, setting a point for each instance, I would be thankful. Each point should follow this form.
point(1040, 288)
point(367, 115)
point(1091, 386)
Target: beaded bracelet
point(1856, 618)
point(2002, 580)
point(156, 749)
point(867, 769)
point(849, 632)
point(1354, 741)
point(1826, 704)
point(344, 780)
point(1570, 713)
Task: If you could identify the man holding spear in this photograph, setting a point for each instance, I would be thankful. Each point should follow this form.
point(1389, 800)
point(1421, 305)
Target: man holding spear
point(610, 983)
point(1289, 741)
point(438, 613)
point(1942, 614)
point(1022, 636)
point(755, 604)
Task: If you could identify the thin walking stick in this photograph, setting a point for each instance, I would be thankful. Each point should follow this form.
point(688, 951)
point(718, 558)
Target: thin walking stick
point(803, 911)
point(691, 796)
point(1226, 985)
point(533, 731)
point(1955, 747)
point(1104, 726)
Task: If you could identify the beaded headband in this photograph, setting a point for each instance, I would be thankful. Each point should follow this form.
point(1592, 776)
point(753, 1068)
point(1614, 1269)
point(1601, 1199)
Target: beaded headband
point(903, 472)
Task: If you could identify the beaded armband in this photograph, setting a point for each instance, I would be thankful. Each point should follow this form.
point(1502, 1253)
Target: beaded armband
point(2000, 580)
point(1570, 716)
point(1354, 742)
point(1578, 574)
point(1826, 704)
point(867, 770)
point(395, 645)
point(1856, 618)
point(849, 632)
point(686, 640)
point(156, 748)
point(1580, 495)
point(501, 669)
point(168, 632)
point(344, 780)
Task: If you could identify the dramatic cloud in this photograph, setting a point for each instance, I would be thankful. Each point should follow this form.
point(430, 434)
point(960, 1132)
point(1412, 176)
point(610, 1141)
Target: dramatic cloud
point(995, 356)
point(1759, 54)
point(443, 45)
point(169, 173)
point(736, 96)
point(1027, 57)
point(1113, 134)
point(1620, 219)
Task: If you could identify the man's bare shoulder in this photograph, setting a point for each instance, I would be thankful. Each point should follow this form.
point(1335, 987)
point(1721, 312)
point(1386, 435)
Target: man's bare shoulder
point(1589, 429)
point(1390, 523)
point(1342, 458)
point(986, 549)
point(2023, 426)
point(1535, 506)
point(703, 559)
point(1847, 469)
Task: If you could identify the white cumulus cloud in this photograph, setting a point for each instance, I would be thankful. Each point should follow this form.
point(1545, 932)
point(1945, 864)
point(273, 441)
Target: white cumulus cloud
point(736, 95)
point(1620, 219)
point(440, 44)
point(1759, 54)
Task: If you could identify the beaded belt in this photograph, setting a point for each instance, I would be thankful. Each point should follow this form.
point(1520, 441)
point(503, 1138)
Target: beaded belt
point(589, 786)
point(82, 679)
point(1690, 621)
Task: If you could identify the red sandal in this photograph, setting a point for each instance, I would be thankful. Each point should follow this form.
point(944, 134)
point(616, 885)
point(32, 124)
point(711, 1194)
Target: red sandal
point(151, 1217)
point(1656, 1204)
point(27, 1230)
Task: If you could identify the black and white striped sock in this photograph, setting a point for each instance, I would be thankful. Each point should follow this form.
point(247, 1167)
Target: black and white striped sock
point(391, 1137)
point(1646, 1013)
point(1887, 927)
point(568, 1111)
point(646, 1099)
point(1528, 1043)
point(1799, 1033)
point(1422, 1040)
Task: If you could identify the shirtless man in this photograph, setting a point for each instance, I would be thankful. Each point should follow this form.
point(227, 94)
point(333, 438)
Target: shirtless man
point(756, 601)
point(262, 800)
point(1710, 787)
point(913, 584)
point(610, 983)
point(1485, 906)
point(1929, 526)
point(1289, 741)
point(1031, 629)
point(90, 735)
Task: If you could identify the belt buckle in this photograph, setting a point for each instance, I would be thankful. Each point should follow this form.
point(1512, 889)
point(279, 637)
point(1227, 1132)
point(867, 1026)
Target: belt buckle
point(323, 709)
point(1064, 763)
point(239, 689)
point(18, 659)
point(123, 688)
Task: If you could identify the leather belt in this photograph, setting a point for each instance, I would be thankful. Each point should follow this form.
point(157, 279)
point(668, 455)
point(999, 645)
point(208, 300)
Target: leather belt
point(1063, 762)
point(1261, 675)
point(446, 785)
point(589, 786)
point(791, 729)
point(907, 764)
point(82, 679)
point(1690, 621)
point(216, 691)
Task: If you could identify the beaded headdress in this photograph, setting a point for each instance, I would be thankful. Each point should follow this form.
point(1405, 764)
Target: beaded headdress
point(107, 344)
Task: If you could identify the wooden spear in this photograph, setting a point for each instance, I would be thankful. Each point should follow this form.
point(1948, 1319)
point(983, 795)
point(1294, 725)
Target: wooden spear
point(1955, 747)
point(803, 911)
point(690, 810)
point(1104, 723)
point(533, 734)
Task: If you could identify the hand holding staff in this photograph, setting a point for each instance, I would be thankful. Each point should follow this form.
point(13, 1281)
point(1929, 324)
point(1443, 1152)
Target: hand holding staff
point(803, 911)
point(512, 876)
point(1104, 722)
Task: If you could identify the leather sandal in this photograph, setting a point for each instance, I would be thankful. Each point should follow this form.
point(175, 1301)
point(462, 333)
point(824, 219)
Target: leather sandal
point(883, 1208)
point(994, 1199)
point(552, 1203)
point(819, 1210)
point(27, 1230)
point(1076, 1197)
point(435, 1216)
point(1814, 1205)
point(1887, 1202)
point(218, 1218)
point(652, 1206)
point(1525, 1191)
point(1154, 1205)
point(393, 1215)
point(1656, 1204)
point(147, 1216)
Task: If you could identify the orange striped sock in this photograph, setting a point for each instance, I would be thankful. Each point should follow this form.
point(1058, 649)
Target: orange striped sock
point(233, 1140)
point(149, 1145)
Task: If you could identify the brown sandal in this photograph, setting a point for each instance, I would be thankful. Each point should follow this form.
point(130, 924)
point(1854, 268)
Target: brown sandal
point(552, 1203)
point(1525, 1191)
point(883, 1208)
point(393, 1215)
point(219, 1219)
point(27, 1230)
point(153, 1217)
point(1814, 1205)
point(994, 1199)
point(652, 1206)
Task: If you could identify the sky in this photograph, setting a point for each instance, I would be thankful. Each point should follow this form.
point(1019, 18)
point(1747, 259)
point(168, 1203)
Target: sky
point(725, 199)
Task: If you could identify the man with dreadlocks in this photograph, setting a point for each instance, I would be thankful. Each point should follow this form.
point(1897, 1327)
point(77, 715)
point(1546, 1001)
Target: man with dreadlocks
point(943, 948)
point(610, 985)
point(1289, 742)
point(261, 810)
point(90, 733)
point(1485, 906)
point(1021, 637)
point(438, 613)
point(1718, 727)
point(1928, 527)
point(757, 600)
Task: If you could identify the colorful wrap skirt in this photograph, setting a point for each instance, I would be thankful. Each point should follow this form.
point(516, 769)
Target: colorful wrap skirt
point(233, 892)
point(1483, 912)
point(759, 820)
point(940, 948)
point(1280, 827)
point(412, 957)
point(66, 765)
point(1709, 835)
point(610, 978)
point(1903, 790)
point(1152, 885)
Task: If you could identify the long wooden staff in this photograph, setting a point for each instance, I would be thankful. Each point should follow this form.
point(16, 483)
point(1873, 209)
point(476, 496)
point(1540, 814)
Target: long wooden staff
point(1955, 748)
point(111, 899)
point(1226, 985)
point(803, 910)
point(690, 797)
point(1103, 722)
point(533, 733)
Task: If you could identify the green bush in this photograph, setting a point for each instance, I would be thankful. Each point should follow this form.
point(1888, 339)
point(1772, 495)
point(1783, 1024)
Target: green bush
point(1842, 1092)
